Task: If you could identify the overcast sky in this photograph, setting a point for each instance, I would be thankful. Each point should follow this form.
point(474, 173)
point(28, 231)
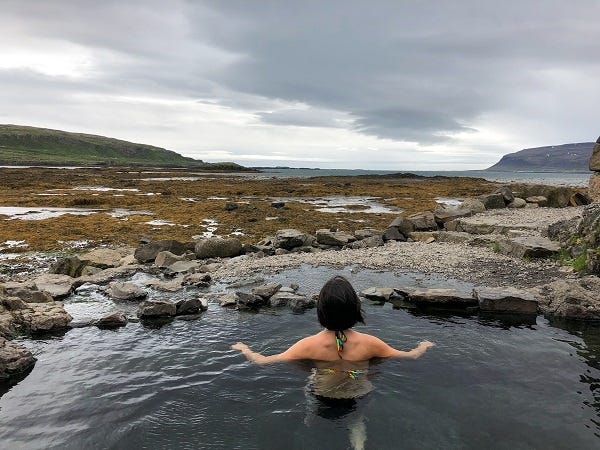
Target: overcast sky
point(399, 85)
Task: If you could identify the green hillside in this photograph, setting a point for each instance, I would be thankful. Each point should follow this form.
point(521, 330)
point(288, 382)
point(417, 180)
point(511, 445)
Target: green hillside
point(41, 146)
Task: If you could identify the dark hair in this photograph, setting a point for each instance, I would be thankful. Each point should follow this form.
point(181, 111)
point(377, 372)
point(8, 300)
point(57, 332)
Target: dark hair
point(338, 306)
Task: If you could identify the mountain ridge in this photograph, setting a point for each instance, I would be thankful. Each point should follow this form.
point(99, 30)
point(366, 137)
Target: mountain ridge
point(572, 157)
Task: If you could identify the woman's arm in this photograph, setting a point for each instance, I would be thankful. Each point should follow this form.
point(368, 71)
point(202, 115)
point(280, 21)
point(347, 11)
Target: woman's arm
point(383, 350)
point(296, 351)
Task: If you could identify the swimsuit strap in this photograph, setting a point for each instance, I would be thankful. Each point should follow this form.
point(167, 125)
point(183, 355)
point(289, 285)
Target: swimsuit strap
point(340, 338)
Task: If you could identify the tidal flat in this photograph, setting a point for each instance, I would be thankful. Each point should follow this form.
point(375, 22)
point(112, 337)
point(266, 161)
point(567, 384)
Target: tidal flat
point(121, 205)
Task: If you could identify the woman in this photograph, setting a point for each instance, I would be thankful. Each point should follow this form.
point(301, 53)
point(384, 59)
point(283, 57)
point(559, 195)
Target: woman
point(338, 310)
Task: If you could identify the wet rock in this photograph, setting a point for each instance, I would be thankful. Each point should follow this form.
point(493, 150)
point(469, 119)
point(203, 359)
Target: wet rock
point(446, 297)
point(266, 291)
point(379, 294)
point(335, 238)
point(112, 320)
point(573, 299)
point(517, 203)
point(529, 247)
point(244, 300)
point(197, 279)
point(15, 360)
point(300, 303)
point(228, 300)
point(30, 295)
point(172, 285)
point(58, 286)
point(148, 252)
point(12, 303)
point(126, 290)
point(190, 306)
point(492, 201)
point(290, 238)
point(218, 248)
point(156, 309)
point(509, 300)
point(41, 317)
point(166, 258)
point(294, 301)
point(8, 328)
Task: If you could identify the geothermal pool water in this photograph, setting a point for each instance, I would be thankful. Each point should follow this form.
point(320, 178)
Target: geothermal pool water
point(490, 382)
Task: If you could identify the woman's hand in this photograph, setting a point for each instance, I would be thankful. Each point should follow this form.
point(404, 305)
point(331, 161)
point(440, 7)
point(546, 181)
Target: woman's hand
point(426, 344)
point(240, 346)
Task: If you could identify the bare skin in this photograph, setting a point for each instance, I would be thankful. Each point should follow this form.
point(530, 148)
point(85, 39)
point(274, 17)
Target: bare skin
point(321, 347)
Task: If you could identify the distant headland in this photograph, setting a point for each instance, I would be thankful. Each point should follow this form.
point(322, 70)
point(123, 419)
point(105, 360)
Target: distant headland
point(555, 158)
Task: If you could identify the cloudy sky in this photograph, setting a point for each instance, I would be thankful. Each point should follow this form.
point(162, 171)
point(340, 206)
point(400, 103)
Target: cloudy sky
point(393, 84)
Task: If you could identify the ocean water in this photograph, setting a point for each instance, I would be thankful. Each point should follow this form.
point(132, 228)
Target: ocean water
point(492, 382)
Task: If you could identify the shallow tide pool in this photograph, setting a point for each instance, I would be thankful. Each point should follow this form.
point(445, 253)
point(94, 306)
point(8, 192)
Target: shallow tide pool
point(490, 382)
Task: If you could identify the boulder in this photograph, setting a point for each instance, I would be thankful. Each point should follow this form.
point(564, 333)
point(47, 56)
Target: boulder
point(439, 297)
point(334, 238)
point(15, 360)
point(112, 320)
point(30, 295)
point(197, 279)
point(572, 299)
point(529, 247)
point(595, 158)
point(58, 286)
point(443, 215)
point(13, 303)
point(393, 234)
point(509, 300)
point(492, 201)
point(300, 303)
point(594, 187)
point(473, 204)
point(579, 199)
point(148, 252)
point(517, 203)
point(290, 238)
point(402, 224)
point(367, 233)
point(106, 257)
point(126, 290)
point(507, 194)
point(378, 294)
point(189, 306)
point(156, 309)
point(423, 221)
point(244, 300)
point(556, 196)
point(266, 291)
point(166, 258)
point(539, 199)
point(71, 266)
point(228, 300)
point(217, 247)
point(296, 302)
point(371, 242)
point(184, 266)
point(42, 317)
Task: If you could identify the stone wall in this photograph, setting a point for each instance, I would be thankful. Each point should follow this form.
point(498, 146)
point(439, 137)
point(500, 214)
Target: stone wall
point(594, 189)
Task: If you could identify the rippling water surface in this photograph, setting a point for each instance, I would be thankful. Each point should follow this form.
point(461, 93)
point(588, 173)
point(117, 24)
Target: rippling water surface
point(488, 383)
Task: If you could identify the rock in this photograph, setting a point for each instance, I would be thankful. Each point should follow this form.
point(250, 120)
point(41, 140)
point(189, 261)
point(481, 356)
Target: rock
point(378, 294)
point(217, 247)
point(71, 266)
point(573, 299)
point(424, 221)
point(393, 234)
point(189, 306)
point(245, 300)
point(8, 328)
point(492, 201)
point(277, 204)
point(13, 303)
point(556, 196)
point(595, 158)
point(366, 233)
point(231, 206)
point(112, 320)
point(156, 309)
point(594, 187)
point(166, 258)
point(172, 285)
point(402, 224)
point(445, 297)
point(517, 203)
point(335, 238)
point(507, 300)
point(473, 204)
point(507, 194)
point(529, 247)
point(289, 238)
point(563, 230)
point(15, 361)
point(579, 199)
point(266, 291)
point(539, 199)
point(41, 317)
point(228, 300)
point(104, 258)
point(423, 236)
point(197, 279)
point(126, 290)
point(294, 301)
point(300, 303)
point(148, 252)
point(369, 242)
point(443, 215)
point(58, 286)
point(185, 266)
point(30, 295)
point(90, 270)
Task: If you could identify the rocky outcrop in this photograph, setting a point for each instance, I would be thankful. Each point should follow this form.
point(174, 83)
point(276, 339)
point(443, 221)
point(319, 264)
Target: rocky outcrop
point(574, 299)
point(506, 300)
point(529, 247)
point(289, 239)
point(334, 237)
point(594, 187)
point(156, 309)
point(581, 240)
point(147, 252)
